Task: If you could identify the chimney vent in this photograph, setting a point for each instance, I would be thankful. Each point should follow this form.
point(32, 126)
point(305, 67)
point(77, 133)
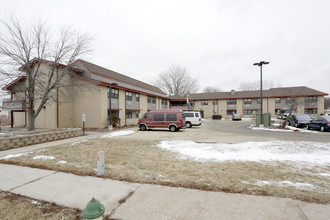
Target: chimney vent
point(232, 92)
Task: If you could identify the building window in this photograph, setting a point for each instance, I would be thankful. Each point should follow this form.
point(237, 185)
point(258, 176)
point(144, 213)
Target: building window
point(231, 102)
point(310, 110)
point(247, 112)
point(164, 102)
point(231, 112)
point(129, 96)
point(215, 102)
point(258, 101)
point(129, 114)
point(137, 97)
point(151, 100)
point(311, 99)
point(277, 100)
point(114, 93)
point(290, 100)
point(204, 102)
point(137, 114)
point(247, 101)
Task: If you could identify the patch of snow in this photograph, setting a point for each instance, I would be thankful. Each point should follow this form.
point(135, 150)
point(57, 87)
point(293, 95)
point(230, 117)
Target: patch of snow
point(118, 133)
point(78, 142)
point(290, 129)
point(42, 157)
point(301, 186)
point(35, 202)
point(14, 156)
point(62, 162)
point(305, 152)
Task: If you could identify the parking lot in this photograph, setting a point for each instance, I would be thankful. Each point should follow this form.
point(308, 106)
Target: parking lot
point(227, 131)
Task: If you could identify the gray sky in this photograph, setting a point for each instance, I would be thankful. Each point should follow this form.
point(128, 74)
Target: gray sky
point(216, 41)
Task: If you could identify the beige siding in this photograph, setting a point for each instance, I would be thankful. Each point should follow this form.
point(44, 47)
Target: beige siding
point(239, 106)
point(19, 119)
point(271, 106)
point(320, 105)
point(223, 108)
point(143, 104)
point(122, 107)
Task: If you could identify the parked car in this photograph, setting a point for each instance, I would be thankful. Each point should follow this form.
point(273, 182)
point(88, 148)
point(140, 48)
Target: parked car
point(171, 119)
point(192, 118)
point(237, 117)
point(299, 120)
point(321, 123)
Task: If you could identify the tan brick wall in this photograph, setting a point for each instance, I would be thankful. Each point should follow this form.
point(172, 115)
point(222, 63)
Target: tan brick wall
point(271, 106)
point(122, 106)
point(90, 101)
point(320, 105)
point(300, 106)
point(143, 104)
point(239, 106)
point(223, 108)
point(19, 119)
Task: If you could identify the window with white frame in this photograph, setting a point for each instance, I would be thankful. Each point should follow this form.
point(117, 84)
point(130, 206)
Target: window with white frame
point(231, 102)
point(277, 100)
point(310, 110)
point(137, 97)
point(215, 102)
point(311, 99)
point(151, 100)
point(247, 101)
point(204, 102)
point(129, 96)
point(114, 93)
point(164, 102)
point(231, 112)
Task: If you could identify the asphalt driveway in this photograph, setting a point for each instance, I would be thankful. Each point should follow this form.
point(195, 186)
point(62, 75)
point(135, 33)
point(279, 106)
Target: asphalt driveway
point(227, 131)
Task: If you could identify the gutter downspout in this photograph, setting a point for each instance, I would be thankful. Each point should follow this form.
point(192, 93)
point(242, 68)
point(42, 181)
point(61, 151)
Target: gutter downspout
point(57, 112)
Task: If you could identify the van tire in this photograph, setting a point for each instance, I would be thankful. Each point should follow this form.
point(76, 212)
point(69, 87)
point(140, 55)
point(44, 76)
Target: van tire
point(143, 127)
point(188, 124)
point(172, 128)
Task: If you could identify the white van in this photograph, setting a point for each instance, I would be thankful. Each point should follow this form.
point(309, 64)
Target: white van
point(192, 118)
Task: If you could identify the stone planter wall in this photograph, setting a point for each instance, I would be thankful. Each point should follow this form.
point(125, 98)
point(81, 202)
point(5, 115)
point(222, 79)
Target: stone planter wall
point(24, 140)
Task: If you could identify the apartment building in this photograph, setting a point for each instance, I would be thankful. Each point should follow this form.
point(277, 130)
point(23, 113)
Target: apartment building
point(95, 91)
point(302, 99)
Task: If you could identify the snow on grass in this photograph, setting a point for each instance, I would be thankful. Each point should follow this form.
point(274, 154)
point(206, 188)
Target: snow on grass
point(301, 186)
point(13, 156)
point(62, 162)
point(42, 157)
point(118, 133)
point(305, 152)
point(78, 142)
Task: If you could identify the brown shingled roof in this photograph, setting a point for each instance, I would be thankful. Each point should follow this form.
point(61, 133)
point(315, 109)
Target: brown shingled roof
point(117, 76)
point(274, 92)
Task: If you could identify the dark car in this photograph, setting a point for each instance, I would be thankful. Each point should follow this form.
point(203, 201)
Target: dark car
point(299, 120)
point(321, 123)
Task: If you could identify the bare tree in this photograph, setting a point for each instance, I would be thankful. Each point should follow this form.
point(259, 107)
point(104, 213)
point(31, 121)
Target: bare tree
point(31, 47)
point(292, 102)
point(211, 89)
point(249, 86)
point(176, 80)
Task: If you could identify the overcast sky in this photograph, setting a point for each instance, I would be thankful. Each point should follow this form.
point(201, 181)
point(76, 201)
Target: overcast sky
point(216, 41)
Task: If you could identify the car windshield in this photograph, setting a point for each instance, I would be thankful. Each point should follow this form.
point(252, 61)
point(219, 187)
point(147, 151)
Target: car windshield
point(303, 117)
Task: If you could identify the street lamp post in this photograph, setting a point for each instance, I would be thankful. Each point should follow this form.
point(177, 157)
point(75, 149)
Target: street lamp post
point(109, 114)
point(260, 64)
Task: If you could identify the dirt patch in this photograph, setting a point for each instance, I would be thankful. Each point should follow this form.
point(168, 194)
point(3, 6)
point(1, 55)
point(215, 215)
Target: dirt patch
point(140, 161)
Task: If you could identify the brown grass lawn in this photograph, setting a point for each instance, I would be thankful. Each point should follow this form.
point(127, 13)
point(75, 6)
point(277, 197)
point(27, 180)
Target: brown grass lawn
point(19, 207)
point(143, 162)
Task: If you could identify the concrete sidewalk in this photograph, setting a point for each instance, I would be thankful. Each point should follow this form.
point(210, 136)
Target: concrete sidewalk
point(125, 200)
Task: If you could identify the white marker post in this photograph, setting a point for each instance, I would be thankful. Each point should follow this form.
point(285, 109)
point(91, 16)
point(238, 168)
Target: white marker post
point(100, 163)
point(83, 119)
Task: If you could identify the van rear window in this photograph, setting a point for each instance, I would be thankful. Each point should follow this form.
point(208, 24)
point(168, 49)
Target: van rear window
point(171, 117)
point(159, 117)
point(189, 114)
